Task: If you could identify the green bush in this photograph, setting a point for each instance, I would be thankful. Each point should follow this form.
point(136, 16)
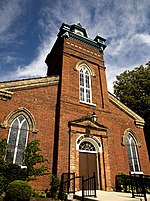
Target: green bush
point(18, 190)
point(54, 190)
point(2, 185)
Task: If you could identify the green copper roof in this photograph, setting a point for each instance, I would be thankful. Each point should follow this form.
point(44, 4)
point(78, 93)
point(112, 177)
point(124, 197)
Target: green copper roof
point(78, 32)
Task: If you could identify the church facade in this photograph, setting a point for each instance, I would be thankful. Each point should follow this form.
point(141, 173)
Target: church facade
point(81, 127)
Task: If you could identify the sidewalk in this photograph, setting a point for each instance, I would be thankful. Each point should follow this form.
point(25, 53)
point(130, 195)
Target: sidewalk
point(114, 196)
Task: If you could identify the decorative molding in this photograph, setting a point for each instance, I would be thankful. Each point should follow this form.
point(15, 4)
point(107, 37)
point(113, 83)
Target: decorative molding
point(126, 133)
point(88, 66)
point(28, 83)
point(20, 111)
point(90, 138)
point(86, 51)
point(139, 121)
point(5, 95)
point(86, 122)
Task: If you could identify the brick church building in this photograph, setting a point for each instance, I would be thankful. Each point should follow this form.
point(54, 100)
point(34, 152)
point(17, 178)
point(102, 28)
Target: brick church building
point(82, 127)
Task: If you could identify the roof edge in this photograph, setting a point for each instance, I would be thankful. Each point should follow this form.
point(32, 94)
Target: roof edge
point(5, 95)
point(139, 121)
point(28, 83)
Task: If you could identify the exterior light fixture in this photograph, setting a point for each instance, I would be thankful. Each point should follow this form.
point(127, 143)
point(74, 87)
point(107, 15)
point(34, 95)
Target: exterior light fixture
point(94, 117)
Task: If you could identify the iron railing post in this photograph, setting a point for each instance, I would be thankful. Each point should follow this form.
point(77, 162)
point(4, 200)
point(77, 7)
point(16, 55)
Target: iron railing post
point(94, 184)
point(82, 188)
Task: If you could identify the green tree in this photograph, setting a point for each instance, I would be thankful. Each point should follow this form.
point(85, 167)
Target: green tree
point(133, 89)
point(34, 161)
point(3, 145)
point(33, 165)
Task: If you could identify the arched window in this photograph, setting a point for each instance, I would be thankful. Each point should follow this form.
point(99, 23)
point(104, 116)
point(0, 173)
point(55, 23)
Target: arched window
point(17, 140)
point(85, 85)
point(86, 146)
point(132, 154)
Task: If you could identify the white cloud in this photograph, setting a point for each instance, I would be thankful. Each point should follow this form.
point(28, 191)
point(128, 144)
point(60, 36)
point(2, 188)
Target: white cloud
point(9, 12)
point(124, 23)
point(143, 38)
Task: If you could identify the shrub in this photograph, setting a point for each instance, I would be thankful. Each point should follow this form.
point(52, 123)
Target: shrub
point(55, 182)
point(2, 185)
point(18, 190)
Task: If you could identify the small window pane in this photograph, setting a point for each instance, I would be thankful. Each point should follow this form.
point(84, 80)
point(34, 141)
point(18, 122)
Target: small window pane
point(81, 79)
point(21, 118)
point(88, 95)
point(10, 155)
point(82, 94)
point(13, 137)
point(15, 124)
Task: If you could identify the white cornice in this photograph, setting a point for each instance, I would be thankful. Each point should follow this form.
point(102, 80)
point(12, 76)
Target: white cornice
point(5, 95)
point(139, 121)
point(7, 88)
point(29, 83)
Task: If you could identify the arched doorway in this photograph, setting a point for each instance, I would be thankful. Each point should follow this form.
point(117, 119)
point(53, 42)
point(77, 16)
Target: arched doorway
point(89, 148)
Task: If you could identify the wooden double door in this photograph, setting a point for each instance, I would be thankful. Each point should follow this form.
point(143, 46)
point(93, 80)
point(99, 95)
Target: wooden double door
point(87, 165)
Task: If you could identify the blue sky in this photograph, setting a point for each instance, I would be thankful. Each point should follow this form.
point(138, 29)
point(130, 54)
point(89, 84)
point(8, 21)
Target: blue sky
point(28, 29)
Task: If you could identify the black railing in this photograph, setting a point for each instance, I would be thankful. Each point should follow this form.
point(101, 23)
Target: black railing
point(137, 184)
point(68, 182)
point(89, 186)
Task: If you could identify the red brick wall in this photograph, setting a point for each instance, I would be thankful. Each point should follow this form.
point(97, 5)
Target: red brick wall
point(41, 102)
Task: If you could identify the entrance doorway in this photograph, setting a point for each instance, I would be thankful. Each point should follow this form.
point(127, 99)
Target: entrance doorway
point(88, 161)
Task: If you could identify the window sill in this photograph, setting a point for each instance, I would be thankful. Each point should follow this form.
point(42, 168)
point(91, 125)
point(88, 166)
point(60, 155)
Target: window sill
point(92, 104)
point(23, 166)
point(136, 172)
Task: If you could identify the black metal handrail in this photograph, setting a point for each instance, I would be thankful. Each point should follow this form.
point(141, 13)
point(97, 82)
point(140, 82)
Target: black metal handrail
point(89, 186)
point(66, 184)
point(137, 184)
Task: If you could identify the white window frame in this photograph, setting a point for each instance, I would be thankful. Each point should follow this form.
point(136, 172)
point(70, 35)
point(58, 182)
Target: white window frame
point(84, 87)
point(18, 135)
point(130, 138)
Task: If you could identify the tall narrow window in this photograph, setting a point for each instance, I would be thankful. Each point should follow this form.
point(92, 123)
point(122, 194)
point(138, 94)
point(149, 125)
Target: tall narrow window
point(85, 85)
point(132, 154)
point(17, 140)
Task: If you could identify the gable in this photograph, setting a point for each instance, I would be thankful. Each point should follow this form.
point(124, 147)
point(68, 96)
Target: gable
point(139, 121)
point(88, 123)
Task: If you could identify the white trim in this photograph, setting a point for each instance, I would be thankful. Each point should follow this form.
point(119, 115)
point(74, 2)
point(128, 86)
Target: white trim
point(93, 104)
point(91, 139)
point(85, 69)
point(139, 121)
point(132, 172)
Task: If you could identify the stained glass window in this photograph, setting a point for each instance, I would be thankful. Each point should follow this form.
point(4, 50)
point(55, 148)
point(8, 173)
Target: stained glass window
point(132, 154)
point(17, 140)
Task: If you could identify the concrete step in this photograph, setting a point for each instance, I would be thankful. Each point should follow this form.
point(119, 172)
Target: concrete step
point(110, 196)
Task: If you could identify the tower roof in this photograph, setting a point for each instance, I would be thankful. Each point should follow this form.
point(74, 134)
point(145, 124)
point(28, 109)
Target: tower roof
point(78, 32)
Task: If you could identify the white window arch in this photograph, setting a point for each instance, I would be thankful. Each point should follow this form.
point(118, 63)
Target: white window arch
point(17, 140)
point(88, 143)
point(132, 153)
point(85, 85)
